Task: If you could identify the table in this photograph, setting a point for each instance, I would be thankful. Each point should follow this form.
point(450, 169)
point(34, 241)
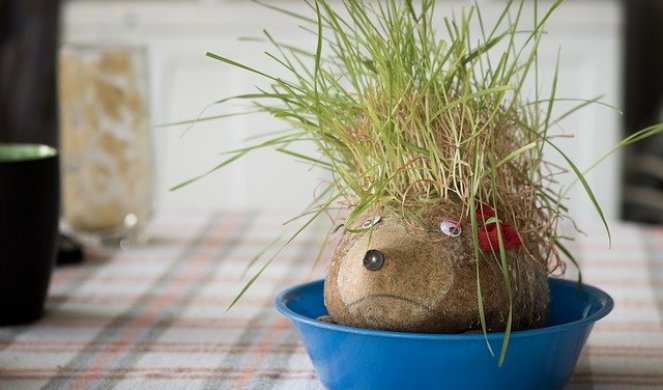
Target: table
point(154, 317)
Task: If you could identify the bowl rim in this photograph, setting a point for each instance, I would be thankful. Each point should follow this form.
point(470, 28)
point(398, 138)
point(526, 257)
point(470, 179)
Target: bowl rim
point(603, 297)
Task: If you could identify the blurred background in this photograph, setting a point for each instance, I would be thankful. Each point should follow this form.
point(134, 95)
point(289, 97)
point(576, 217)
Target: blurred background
point(609, 48)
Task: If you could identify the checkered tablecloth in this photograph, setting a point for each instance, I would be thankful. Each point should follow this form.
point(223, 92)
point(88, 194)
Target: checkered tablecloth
point(154, 317)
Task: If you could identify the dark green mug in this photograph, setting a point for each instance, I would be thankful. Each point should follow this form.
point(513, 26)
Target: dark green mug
point(29, 211)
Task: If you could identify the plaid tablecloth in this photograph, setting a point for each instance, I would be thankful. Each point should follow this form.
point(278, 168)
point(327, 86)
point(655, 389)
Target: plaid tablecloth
point(154, 317)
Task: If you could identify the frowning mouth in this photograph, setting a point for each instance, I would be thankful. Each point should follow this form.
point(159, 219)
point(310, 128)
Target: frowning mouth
point(371, 298)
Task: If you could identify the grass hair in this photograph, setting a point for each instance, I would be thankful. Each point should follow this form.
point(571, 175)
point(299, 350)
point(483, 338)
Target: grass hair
point(404, 119)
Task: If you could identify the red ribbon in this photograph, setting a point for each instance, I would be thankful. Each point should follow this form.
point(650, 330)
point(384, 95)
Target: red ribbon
point(488, 236)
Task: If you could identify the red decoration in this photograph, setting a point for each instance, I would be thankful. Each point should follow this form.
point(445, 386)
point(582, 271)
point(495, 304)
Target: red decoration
point(484, 212)
point(488, 236)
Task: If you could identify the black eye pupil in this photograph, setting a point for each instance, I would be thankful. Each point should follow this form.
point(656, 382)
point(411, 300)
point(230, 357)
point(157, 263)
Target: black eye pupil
point(373, 260)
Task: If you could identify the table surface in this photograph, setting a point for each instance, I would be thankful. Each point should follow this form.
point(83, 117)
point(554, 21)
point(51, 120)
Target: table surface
point(154, 317)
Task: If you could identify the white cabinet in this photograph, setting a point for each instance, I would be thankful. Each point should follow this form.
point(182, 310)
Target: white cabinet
point(184, 82)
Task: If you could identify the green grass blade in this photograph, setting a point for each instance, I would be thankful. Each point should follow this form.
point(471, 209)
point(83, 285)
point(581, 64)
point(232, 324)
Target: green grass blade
point(585, 185)
point(515, 154)
point(208, 172)
point(260, 254)
point(239, 65)
point(553, 92)
point(285, 11)
point(572, 258)
point(315, 161)
point(208, 118)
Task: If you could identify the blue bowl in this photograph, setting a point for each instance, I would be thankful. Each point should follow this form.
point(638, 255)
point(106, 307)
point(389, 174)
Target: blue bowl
point(354, 358)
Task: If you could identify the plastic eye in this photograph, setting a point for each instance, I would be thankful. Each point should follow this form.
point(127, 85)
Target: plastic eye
point(373, 260)
point(371, 222)
point(450, 228)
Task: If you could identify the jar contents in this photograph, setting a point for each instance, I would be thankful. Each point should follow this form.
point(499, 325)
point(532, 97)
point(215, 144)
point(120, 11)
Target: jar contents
point(106, 145)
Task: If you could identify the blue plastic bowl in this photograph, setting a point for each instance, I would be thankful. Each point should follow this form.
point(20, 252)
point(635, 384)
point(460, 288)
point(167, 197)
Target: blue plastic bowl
point(353, 358)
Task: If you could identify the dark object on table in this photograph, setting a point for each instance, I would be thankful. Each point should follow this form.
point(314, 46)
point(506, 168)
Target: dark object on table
point(70, 251)
point(643, 106)
point(643, 193)
point(29, 213)
point(28, 47)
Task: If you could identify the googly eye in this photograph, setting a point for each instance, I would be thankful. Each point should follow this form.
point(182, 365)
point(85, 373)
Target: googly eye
point(373, 260)
point(371, 222)
point(450, 228)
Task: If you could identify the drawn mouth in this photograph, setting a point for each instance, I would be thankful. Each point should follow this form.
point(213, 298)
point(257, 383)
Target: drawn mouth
point(371, 299)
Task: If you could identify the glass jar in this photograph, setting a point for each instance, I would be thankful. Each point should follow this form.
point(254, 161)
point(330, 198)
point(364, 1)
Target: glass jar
point(106, 144)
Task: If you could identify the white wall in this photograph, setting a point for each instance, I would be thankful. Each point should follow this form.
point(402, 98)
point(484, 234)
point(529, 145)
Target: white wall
point(184, 81)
